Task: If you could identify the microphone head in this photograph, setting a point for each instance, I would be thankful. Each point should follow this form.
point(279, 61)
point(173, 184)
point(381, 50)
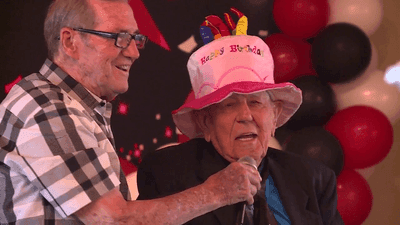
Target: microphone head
point(247, 160)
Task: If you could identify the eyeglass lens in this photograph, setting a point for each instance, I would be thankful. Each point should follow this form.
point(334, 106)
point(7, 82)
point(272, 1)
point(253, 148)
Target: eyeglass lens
point(124, 40)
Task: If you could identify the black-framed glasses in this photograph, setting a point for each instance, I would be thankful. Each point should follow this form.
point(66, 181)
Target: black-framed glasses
point(122, 40)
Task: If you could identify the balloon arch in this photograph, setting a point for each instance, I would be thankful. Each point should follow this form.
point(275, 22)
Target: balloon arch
point(348, 107)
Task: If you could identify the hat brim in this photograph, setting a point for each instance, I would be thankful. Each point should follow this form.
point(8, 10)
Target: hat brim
point(288, 93)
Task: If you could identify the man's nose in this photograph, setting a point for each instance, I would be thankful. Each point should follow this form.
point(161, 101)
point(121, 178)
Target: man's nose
point(244, 113)
point(131, 51)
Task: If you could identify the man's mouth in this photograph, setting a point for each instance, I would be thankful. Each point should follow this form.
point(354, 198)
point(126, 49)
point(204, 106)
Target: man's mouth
point(246, 136)
point(124, 68)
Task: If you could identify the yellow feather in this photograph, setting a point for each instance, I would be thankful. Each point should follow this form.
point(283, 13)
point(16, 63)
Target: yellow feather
point(241, 28)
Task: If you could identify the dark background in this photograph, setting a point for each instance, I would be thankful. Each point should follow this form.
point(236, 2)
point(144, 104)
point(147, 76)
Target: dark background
point(159, 82)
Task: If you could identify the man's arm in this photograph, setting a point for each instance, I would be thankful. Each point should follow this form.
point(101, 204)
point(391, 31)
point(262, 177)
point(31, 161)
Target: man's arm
point(236, 183)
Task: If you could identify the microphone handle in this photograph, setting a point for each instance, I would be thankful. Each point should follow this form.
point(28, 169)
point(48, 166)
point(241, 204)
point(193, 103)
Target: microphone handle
point(249, 161)
point(243, 212)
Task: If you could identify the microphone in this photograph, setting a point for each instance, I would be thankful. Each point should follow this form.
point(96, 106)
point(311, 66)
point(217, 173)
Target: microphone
point(249, 161)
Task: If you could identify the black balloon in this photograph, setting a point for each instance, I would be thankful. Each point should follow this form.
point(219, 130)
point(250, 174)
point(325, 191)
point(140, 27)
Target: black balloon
point(340, 53)
point(282, 134)
point(318, 144)
point(319, 103)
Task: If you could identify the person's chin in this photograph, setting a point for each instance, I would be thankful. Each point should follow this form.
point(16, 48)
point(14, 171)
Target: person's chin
point(118, 90)
point(253, 150)
point(121, 85)
point(124, 88)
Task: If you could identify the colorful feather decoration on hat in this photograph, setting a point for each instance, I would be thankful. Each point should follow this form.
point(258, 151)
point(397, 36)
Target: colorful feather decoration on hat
point(206, 34)
point(218, 24)
point(213, 27)
point(229, 21)
point(241, 28)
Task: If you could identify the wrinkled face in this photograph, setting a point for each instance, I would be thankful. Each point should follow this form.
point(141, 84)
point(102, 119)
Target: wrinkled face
point(105, 67)
point(242, 125)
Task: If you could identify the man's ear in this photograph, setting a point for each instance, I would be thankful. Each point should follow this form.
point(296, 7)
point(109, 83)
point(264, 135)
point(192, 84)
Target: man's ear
point(68, 38)
point(202, 119)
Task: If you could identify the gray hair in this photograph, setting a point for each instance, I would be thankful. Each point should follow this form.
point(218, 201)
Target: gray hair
point(67, 13)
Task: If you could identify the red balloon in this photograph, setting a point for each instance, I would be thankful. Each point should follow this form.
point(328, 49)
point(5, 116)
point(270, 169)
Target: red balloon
point(292, 57)
point(305, 62)
point(354, 197)
point(301, 18)
point(365, 134)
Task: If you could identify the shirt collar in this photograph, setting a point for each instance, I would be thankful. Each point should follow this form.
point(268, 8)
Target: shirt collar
point(76, 90)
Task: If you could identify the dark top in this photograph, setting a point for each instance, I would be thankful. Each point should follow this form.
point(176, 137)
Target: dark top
point(307, 188)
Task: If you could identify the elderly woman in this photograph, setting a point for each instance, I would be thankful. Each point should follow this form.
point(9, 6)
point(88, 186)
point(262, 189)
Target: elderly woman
point(233, 114)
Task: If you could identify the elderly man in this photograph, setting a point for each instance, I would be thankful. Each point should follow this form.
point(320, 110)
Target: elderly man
point(58, 163)
point(234, 113)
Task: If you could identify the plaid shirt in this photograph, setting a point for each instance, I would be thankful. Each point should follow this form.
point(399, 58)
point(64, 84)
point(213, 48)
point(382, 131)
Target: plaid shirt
point(57, 152)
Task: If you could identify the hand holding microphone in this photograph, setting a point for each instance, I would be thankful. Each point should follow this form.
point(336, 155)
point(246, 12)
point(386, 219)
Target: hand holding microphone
point(251, 164)
point(238, 182)
point(247, 160)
